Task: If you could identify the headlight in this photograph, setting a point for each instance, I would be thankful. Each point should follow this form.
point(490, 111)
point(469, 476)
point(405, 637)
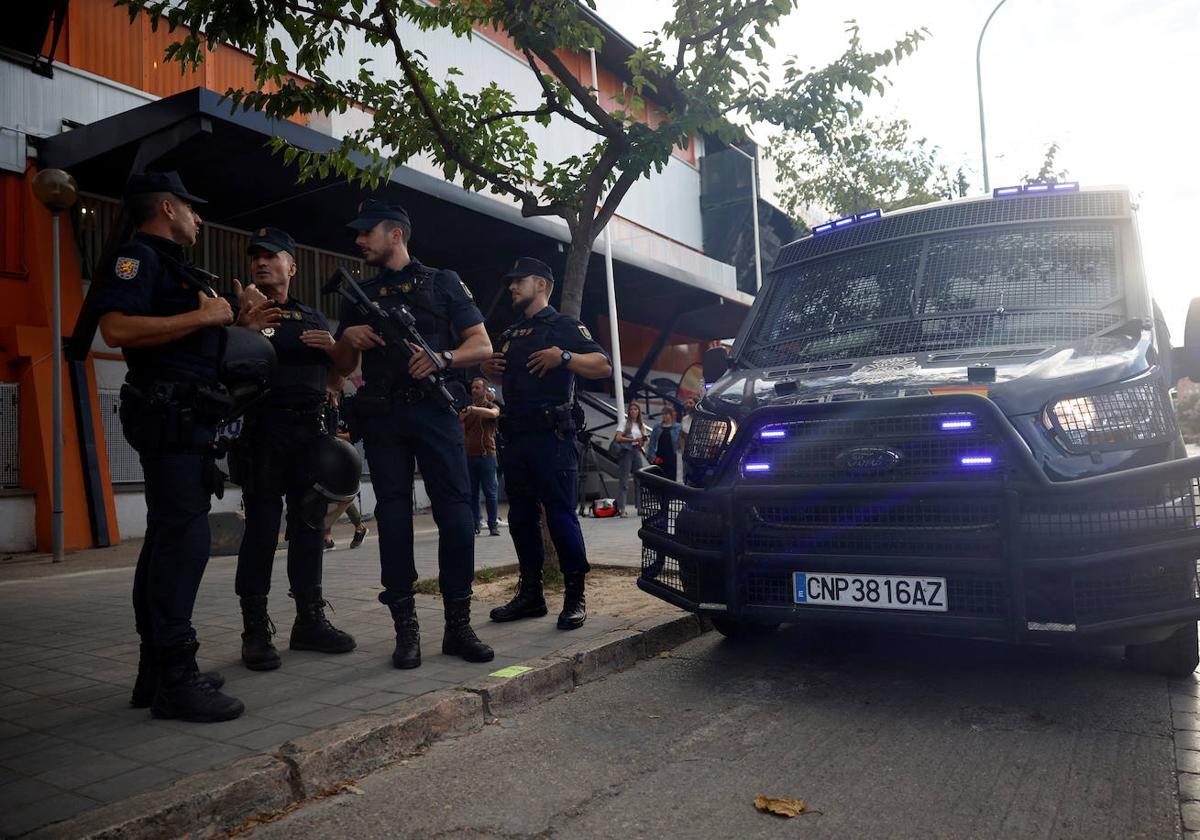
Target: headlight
point(707, 438)
point(1119, 418)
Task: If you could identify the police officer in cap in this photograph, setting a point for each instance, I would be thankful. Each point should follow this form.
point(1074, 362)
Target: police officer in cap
point(160, 310)
point(275, 457)
point(400, 421)
point(540, 356)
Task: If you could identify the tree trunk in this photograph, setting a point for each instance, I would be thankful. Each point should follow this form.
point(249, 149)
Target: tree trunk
point(575, 273)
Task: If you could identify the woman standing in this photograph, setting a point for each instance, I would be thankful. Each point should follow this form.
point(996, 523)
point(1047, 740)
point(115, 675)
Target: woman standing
point(632, 443)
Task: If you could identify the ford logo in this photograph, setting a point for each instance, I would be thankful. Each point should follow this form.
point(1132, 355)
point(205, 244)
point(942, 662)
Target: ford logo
point(867, 459)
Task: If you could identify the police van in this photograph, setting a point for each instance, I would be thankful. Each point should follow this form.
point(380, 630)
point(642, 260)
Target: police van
point(953, 419)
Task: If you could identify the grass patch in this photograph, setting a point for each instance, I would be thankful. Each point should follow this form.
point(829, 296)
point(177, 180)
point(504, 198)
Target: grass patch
point(428, 586)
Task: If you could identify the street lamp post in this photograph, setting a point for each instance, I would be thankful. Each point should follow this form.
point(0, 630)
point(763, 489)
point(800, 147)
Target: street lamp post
point(753, 158)
point(987, 184)
point(57, 190)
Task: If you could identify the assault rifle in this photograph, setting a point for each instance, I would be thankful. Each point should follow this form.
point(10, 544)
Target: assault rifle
point(398, 328)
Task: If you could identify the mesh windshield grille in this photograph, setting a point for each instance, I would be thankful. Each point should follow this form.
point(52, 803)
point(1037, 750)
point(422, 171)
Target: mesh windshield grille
point(706, 439)
point(962, 214)
point(942, 333)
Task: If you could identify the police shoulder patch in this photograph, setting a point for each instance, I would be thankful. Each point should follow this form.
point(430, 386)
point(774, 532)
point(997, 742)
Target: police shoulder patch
point(127, 267)
point(466, 289)
point(584, 332)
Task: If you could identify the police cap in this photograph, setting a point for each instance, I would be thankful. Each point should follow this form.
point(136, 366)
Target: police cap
point(371, 212)
point(529, 266)
point(272, 239)
point(152, 182)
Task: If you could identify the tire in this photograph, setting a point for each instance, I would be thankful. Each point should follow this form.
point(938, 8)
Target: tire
point(1174, 656)
point(732, 628)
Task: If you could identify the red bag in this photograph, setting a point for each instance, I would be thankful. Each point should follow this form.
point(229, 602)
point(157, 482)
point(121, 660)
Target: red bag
point(604, 508)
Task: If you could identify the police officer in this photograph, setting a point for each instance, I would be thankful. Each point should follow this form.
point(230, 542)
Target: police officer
point(274, 456)
point(400, 421)
point(161, 312)
point(539, 358)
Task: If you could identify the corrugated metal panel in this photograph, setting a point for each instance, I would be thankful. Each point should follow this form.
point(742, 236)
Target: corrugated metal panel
point(101, 41)
point(10, 435)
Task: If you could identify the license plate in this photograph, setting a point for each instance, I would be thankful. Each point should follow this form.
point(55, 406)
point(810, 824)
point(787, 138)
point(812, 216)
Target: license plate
point(886, 592)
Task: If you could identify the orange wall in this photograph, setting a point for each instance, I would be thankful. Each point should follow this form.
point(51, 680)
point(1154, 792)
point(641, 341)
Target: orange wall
point(26, 343)
point(677, 355)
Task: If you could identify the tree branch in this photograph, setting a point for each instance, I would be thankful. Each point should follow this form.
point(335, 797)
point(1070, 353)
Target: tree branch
point(552, 97)
point(609, 126)
point(615, 196)
point(363, 25)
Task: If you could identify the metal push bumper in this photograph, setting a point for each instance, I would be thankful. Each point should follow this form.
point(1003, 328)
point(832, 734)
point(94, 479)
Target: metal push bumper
point(1109, 559)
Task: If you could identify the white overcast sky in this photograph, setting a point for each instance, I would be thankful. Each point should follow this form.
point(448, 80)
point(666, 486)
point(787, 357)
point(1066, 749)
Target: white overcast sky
point(1114, 82)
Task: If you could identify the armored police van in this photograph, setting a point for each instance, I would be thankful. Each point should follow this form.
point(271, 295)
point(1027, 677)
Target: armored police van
point(953, 419)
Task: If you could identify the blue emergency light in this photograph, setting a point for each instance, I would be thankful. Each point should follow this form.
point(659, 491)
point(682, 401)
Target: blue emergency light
point(1036, 189)
point(847, 221)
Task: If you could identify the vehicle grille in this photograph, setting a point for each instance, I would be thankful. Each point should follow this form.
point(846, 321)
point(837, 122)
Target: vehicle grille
point(922, 527)
point(816, 451)
point(1121, 593)
point(968, 596)
point(695, 525)
point(697, 581)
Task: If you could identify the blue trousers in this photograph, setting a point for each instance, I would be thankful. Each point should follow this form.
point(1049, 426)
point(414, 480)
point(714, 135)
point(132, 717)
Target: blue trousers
point(429, 436)
point(482, 469)
point(540, 468)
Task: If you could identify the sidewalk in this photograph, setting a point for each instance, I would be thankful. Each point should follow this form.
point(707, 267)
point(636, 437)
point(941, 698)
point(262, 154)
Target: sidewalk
point(70, 743)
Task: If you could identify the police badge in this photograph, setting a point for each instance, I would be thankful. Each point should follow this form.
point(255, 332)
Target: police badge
point(584, 332)
point(127, 267)
point(268, 331)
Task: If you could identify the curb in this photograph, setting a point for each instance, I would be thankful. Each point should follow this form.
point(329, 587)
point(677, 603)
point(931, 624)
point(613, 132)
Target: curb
point(207, 803)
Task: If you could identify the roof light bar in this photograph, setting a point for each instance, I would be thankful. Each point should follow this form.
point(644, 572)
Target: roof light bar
point(1036, 189)
point(847, 221)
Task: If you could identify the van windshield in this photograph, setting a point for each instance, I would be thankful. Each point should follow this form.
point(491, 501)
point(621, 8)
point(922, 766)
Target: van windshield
point(1024, 285)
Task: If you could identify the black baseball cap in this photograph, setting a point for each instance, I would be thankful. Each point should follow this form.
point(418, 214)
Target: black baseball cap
point(529, 266)
point(273, 239)
point(372, 211)
point(168, 182)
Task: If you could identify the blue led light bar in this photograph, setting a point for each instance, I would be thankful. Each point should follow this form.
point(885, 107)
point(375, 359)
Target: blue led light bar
point(976, 460)
point(1035, 189)
point(758, 467)
point(847, 221)
point(950, 425)
point(773, 433)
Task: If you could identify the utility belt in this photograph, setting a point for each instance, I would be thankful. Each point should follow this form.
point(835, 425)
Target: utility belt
point(369, 403)
point(161, 416)
point(563, 420)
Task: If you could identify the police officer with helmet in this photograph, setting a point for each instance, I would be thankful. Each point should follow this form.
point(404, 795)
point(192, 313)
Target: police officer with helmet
point(188, 371)
point(285, 449)
point(539, 358)
point(400, 421)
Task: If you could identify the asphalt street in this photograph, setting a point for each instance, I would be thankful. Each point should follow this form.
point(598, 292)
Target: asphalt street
point(882, 736)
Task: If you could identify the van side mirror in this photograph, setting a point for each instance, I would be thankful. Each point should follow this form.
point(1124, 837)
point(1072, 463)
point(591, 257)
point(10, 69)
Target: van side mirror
point(1185, 360)
point(716, 362)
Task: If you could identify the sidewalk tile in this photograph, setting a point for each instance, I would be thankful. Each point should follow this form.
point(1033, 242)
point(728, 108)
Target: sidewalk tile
point(270, 737)
point(87, 767)
point(206, 758)
point(129, 784)
point(53, 808)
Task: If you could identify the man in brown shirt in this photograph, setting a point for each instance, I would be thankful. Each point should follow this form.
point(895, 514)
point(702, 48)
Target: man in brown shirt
point(479, 431)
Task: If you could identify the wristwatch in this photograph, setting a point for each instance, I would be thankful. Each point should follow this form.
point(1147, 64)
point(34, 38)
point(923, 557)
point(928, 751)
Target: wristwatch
point(448, 356)
point(566, 357)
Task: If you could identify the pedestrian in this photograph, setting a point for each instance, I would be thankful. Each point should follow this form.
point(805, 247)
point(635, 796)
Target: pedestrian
point(400, 422)
point(479, 431)
point(685, 423)
point(631, 443)
point(663, 448)
point(540, 358)
point(277, 456)
point(160, 310)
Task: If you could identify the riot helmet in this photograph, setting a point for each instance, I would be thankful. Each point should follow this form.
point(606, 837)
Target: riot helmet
point(246, 366)
point(334, 469)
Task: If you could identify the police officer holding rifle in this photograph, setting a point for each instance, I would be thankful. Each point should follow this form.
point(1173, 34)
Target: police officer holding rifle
point(188, 372)
point(540, 356)
point(412, 326)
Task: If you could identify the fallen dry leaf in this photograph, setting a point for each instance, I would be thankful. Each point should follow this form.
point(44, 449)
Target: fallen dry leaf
point(782, 807)
point(355, 789)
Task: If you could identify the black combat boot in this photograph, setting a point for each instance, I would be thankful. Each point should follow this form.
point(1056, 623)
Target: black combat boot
point(408, 633)
point(459, 639)
point(574, 611)
point(184, 695)
point(258, 654)
point(147, 678)
point(529, 602)
point(312, 630)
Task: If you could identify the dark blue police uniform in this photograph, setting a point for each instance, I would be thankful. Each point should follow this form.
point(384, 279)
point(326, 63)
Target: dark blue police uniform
point(277, 433)
point(540, 463)
point(409, 424)
point(163, 417)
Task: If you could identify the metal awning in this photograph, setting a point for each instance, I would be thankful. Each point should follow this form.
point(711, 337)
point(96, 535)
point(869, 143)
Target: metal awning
point(222, 155)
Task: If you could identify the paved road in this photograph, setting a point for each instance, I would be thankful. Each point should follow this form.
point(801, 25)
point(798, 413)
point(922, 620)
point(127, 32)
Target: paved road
point(883, 737)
